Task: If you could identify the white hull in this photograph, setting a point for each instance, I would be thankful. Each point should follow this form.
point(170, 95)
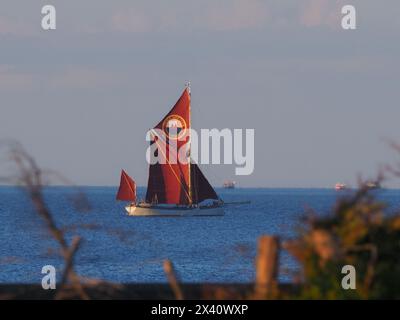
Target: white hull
point(174, 212)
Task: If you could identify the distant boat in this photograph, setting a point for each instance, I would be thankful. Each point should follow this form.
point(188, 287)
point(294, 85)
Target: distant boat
point(373, 185)
point(174, 188)
point(229, 184)
point(340, 186)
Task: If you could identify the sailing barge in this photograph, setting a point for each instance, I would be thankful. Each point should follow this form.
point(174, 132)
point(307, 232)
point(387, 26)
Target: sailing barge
point(175, 188)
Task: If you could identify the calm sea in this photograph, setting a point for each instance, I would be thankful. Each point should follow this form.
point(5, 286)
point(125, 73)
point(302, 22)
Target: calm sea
point(126, 249)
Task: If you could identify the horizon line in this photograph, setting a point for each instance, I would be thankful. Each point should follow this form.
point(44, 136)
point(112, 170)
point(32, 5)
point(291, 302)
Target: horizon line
point(218, 187)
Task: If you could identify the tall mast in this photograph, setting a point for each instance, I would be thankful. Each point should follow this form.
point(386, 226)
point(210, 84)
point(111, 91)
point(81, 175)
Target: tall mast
point(189, 142)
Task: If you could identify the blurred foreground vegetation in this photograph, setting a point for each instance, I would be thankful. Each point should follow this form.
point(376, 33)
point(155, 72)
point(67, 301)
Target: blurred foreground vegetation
point(356, 233)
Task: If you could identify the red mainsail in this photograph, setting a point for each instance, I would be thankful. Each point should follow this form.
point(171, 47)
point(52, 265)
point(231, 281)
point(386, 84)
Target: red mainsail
point(171, 181)
point(127, 188)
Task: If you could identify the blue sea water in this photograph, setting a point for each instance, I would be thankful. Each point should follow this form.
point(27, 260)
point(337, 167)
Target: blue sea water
point(119, 248)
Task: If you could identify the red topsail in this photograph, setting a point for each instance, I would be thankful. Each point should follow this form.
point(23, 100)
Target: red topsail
point(127, 188)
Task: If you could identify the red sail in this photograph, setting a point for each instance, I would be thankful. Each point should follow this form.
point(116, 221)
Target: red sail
point(127, 188)
point(169, 181)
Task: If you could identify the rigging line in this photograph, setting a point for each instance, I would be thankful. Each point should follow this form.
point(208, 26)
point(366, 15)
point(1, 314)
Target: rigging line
point(177, 178)
point(180, 169)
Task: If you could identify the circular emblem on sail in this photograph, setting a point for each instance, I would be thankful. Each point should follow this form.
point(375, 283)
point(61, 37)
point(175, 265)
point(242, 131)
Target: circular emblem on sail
point(174, 126)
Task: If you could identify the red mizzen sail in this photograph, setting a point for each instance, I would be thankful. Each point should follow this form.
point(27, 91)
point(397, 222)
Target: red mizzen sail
point(172, 182)
point(127, 188)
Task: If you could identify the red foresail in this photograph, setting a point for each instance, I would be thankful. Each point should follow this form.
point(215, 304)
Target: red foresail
point(127, 188)
point(169, 180)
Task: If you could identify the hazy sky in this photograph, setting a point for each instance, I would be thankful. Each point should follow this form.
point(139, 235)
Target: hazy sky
point(322, 100)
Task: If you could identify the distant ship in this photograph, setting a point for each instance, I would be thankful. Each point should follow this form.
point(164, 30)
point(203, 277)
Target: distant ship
point(373, 185)
point(229, 184)
point(340, 186)
point(174, 188)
